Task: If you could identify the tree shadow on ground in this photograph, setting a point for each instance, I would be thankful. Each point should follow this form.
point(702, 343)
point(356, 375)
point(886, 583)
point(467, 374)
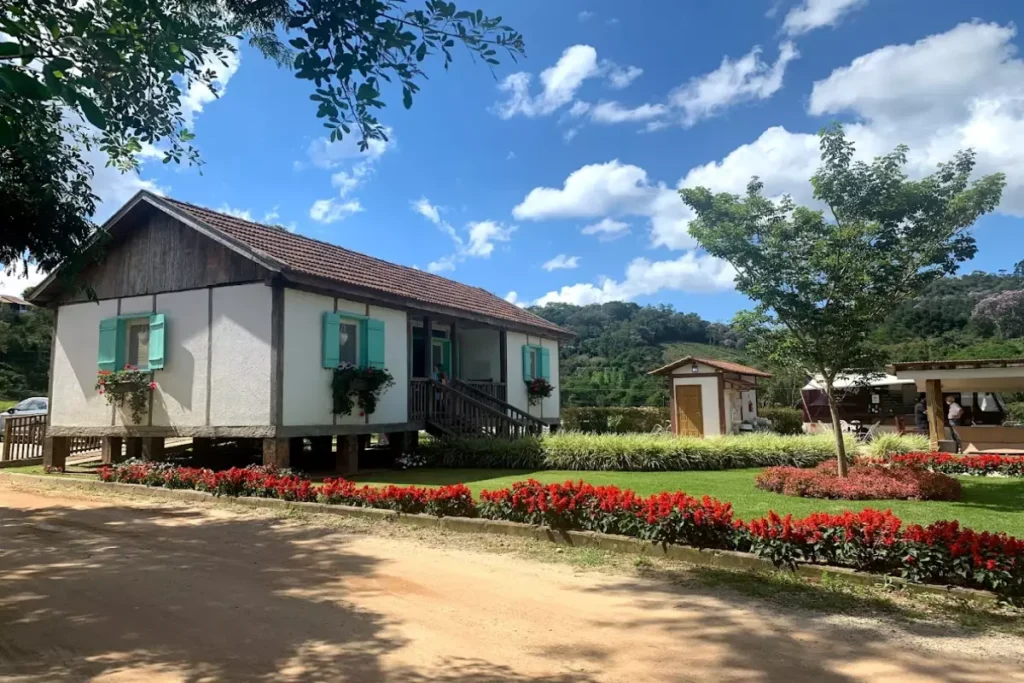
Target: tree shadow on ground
point(843, 643)
point(162, 593)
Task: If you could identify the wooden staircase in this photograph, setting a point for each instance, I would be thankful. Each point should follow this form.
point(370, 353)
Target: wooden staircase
point(457, 409)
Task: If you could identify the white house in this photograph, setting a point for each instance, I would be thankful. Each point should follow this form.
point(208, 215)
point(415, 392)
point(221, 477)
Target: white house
point(241, 326)
point(710, 397)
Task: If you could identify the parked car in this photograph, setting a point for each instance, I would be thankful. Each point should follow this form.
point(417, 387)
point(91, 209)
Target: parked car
point(37, 405)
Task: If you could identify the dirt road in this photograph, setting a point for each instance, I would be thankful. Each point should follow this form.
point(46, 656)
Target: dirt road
point(126, 590)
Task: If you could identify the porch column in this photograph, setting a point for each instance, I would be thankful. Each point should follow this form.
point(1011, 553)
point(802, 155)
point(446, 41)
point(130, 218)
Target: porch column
point(933, 400)
point(503, 355)
point(276, 452)
point(428, 346)
point(56, 450)
point(453, 335)
point(112, 450)
point(346, 460)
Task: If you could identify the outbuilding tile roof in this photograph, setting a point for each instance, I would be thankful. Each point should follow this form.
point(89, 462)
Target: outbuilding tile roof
point(329, 261)
point(723, 365)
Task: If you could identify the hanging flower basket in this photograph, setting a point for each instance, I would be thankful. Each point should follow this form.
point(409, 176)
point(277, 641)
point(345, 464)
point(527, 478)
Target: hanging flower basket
point(363, 386)
point(537, 390)
point(129, 384)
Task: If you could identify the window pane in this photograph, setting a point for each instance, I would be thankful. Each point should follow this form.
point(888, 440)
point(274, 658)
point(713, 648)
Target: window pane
point(533, 363)
point(437, 355)
point(349, 343)
point(138, 344)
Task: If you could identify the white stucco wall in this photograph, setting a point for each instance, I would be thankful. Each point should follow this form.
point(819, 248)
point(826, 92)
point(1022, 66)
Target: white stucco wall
point(180, 398)
point(240, 379)
point(307, 384)
point(74, 401)
point(240, 366)
point(480, 354)
point(709, 400)
point(549, 408)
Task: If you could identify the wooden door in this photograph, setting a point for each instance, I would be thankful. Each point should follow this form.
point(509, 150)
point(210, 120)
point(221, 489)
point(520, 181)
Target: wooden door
point(689, 410)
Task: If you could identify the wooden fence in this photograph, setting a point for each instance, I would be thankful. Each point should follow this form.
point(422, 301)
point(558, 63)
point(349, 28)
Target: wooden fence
point(24, 434)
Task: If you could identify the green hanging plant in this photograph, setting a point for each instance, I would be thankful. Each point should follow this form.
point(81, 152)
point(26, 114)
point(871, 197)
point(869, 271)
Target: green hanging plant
point(353, 386)
point(131, 384)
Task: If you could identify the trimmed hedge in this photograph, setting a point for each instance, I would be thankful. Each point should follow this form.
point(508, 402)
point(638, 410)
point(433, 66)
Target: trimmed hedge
point(789, 421)
point(616, 420)
point(942, 552)
point(633, 452)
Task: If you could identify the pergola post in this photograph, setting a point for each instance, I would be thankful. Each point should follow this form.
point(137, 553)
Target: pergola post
point(933, 400)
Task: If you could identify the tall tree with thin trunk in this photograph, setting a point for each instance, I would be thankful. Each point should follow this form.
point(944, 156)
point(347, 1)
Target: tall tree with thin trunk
point(825, 278)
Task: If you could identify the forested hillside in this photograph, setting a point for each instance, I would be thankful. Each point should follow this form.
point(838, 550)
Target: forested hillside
point(24, 352)
point(618, 343)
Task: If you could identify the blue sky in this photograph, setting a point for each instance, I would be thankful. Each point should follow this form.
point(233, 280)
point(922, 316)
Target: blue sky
point(489, 178)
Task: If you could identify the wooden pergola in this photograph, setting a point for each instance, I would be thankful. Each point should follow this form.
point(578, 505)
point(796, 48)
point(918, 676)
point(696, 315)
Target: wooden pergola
point(989, 376)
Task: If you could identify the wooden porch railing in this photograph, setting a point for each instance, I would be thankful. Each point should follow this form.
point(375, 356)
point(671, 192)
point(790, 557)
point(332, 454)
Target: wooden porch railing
point(497, 390)
point(458, 413)
point(535, 426)
point(24, 434)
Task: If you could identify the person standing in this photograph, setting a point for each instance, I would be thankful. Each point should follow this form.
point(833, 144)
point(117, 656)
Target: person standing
point(921, 415)
point(954, 415)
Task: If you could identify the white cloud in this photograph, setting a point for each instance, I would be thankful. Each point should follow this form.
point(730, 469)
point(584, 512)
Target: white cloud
point(483, 235)
point(613, 112)
point(585, 15)
point(511, 156)
point(612, 189)
point(579, 108)
point(733, 82)
point(560, 83)
point(688, 273)
point(562, 262)
point(13, 284)
point(270, 217)
point(620, 77)
point(332, 210)
point(813, 14)
point(198, 95)
point(324, 154)
point(513, 298)
point(244, 214)
point(607, 229)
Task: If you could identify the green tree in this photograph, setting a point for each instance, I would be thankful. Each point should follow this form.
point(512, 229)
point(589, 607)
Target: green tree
point(823, 286)
point(124, 66)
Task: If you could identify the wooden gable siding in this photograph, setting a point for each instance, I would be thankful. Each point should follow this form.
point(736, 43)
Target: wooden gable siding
point(162, 254)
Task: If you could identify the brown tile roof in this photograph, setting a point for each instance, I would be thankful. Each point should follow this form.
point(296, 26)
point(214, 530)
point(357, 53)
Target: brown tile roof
point(11, 299)
point(326, 260)
point(723, 365)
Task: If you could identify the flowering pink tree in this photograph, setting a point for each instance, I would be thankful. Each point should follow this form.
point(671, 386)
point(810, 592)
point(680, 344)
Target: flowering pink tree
point(1005, 310)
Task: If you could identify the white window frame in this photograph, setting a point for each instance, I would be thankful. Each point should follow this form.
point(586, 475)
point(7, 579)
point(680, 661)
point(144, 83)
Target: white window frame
point(534, 362)
point(357, 330)
point(140, 363)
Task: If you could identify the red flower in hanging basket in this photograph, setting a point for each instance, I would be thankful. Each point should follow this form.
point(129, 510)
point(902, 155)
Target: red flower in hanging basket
point(152, 386)
point(362, 414)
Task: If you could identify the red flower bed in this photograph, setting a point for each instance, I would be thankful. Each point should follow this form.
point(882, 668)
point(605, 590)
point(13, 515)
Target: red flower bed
point(947, 463)
point(662, 518)
point(942, 552)
point(865, 482)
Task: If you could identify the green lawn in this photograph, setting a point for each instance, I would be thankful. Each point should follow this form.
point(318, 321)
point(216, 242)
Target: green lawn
point(5, 404)
point(989, 503)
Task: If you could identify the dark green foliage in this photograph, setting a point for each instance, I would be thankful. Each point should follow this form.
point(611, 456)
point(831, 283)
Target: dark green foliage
point(487, 453)
point(616, 420)
point(784, 420)
point(24, 352)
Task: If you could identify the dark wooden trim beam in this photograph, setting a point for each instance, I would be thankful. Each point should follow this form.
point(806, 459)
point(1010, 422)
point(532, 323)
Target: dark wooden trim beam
point(503, 355)
point(721, 404)
point(53, 360)
point(198, 431)
point(350, 429)
point(428, 346)
point(276, 353)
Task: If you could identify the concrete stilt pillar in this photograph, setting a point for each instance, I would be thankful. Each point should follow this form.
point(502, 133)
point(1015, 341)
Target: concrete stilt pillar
point(152, 448)
point(346, 459)
point(276, 453)
point(56, 450)
point(112, 450)
point(133, 448)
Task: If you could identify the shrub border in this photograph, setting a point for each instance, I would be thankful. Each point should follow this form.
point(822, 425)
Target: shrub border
point(721, 559)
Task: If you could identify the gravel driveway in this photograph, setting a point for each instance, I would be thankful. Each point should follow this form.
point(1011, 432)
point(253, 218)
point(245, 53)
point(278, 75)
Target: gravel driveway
point(124, 589)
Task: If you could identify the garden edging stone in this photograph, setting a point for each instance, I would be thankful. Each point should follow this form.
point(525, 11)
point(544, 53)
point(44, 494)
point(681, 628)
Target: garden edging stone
point(612, 543)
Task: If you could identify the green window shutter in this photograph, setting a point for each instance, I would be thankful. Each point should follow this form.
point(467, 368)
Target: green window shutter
point(526, 363)
point(374, 345)
point(545, 363)
point(332, 340)
point(107, 358)
point(157, 335)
